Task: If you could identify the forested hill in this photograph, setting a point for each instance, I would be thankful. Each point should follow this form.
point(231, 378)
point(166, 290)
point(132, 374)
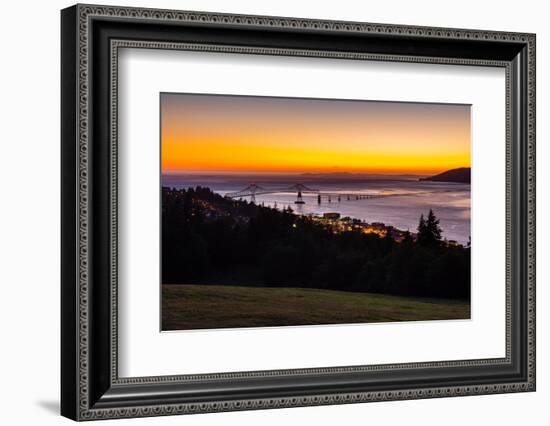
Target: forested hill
point(460, 175)
point(209, 239)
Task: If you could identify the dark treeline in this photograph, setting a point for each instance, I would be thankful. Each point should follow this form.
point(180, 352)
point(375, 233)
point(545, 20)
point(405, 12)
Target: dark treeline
point(208, 239)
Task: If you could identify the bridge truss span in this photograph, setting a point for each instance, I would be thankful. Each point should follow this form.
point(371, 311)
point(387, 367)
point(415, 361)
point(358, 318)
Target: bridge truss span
point(254, 189)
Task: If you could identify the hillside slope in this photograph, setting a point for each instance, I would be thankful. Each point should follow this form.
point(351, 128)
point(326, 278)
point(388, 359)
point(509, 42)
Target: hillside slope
point(186, 307)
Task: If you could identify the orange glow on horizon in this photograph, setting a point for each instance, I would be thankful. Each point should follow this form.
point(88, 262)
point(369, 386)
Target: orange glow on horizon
point(248, 134)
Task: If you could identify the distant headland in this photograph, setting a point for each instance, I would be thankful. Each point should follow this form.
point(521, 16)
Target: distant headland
point(460, 175)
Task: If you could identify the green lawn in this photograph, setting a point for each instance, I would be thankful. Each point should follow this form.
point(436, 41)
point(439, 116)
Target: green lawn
point(211, 306)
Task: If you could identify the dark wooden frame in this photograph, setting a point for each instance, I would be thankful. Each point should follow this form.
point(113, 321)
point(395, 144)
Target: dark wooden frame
point(90, 386)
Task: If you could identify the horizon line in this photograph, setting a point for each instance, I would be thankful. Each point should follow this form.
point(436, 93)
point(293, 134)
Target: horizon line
point(174, 172)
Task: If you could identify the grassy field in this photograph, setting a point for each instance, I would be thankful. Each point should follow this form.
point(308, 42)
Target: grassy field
point(187, 307)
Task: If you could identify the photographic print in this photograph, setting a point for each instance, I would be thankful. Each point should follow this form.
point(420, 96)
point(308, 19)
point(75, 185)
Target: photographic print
point(298, 211)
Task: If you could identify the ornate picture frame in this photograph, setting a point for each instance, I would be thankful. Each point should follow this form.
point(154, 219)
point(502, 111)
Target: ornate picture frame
point(91, 37)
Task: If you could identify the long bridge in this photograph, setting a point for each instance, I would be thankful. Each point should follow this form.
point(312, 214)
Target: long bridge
point(253, 189)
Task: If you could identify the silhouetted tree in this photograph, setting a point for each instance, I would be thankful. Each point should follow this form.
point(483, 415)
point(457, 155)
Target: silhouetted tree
point(407, 239)
point(421, 225)
point(429, 231)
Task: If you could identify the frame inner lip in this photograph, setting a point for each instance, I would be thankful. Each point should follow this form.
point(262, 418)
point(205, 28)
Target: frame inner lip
point(115, 45)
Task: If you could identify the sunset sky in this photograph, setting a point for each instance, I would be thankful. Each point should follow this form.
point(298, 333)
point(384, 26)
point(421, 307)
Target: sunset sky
point(217, 133)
